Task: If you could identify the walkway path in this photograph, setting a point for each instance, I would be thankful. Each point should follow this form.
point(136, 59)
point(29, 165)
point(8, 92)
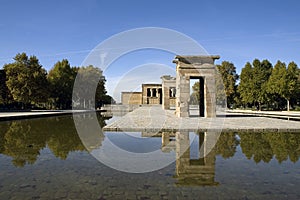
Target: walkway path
point(154, 118)
point(275, 114)
point(4, 116)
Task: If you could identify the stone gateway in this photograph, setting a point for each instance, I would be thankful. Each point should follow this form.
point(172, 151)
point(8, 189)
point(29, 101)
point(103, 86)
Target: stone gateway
point(196, 67)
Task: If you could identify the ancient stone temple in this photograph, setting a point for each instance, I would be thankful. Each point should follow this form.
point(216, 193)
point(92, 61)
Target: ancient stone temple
point(203, 69)
point(151, 94)
point(175, 92)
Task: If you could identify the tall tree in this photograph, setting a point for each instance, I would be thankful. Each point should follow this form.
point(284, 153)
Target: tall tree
point(101, 96)
point(245, 87)
point(291, 83)
point(277, 84)
point(261, 73)
point(229, 77)
point(284, 81)
point(297, 94)
point(87, 78)
point(26, 79)
point(61, 78)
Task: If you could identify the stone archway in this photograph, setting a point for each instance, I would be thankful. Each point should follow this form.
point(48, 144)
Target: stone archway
point(188, 67)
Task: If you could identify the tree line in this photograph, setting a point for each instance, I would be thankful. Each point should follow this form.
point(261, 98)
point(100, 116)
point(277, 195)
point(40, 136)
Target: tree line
point(259, 86)
point(25, 84)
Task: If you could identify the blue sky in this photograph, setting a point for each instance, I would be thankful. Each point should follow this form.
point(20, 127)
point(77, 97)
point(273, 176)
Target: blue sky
point(238, 31)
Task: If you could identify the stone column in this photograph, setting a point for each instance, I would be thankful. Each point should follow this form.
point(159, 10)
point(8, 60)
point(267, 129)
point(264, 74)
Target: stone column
point(183, 95)
point(210, 97)
point(165, 99)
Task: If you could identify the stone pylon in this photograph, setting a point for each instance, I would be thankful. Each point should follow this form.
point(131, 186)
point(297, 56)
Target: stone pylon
point(196, 67)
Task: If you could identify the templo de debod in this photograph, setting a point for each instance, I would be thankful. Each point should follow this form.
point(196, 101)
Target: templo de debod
point(174, 92)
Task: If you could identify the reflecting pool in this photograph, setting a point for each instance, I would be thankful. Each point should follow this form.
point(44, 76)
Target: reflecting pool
point(45, 159)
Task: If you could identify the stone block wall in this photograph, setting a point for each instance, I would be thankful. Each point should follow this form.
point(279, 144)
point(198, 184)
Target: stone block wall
point(131, 98)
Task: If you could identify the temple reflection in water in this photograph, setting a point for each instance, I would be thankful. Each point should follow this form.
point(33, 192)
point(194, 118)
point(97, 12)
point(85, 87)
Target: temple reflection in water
point(189, 170)
point(199, 171)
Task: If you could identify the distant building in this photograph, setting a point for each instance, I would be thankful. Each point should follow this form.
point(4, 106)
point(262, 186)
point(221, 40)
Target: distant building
point(152, 94)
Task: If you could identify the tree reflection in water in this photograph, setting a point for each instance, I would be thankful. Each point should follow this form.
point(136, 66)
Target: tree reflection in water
point(265, 146)
point(24, 139)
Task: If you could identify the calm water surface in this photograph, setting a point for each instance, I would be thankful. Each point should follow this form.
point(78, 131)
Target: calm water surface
point(45, 159)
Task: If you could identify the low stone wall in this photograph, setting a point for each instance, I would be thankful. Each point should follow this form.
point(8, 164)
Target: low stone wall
point(131, 98)
point(119, 107)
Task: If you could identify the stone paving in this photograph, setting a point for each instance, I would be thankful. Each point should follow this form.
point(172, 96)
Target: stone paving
point(154, 118)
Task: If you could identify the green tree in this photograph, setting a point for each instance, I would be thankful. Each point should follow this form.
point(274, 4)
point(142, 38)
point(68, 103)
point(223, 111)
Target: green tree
point(261, 73)
point(245, 87)
point(61, 78)
point(276, 84)
point(101, 96)
point(253, 84)
point(296, 98)
point(195, 96)
point(291, 83)
point(26, 79)
point(5, 96)
point(229, 77)
point(283, 81)
point(90, 85)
